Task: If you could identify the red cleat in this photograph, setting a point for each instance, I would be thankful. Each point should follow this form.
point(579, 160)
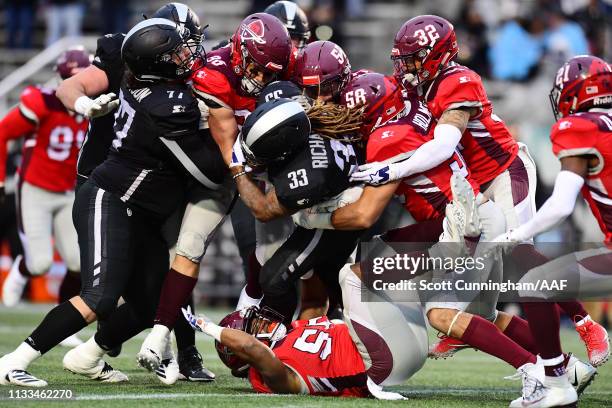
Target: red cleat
point(446, 347)
point(596, 340)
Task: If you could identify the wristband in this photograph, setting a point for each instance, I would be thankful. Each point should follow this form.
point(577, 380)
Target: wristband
point(213, 331)
point(242, 173)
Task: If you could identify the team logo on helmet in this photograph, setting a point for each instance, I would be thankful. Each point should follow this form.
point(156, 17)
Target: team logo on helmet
point(253, 31)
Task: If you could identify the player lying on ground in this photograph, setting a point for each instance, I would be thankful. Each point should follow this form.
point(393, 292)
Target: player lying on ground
point(320, 357)
point(581, 100)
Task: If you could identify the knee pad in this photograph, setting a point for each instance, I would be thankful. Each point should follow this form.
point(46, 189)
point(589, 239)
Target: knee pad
point(191, 245)
point(38, 265)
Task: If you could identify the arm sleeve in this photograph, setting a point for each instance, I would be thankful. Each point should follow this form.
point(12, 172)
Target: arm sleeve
point(429, 154)
point(560, 204)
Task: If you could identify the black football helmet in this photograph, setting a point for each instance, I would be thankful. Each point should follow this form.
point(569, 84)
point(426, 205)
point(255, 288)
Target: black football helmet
point(158, 48)
point(293, 18)
point(273, 131)
point(182, 15)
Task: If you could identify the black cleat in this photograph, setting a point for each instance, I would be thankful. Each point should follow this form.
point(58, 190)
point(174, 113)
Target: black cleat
point(191, 368)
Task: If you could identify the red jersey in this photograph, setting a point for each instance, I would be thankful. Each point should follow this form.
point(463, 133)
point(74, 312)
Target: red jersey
point(590, 133)
point(53, 139)
point(487, 145)
point(324, 356)
point(426, 194)
point(217, 82)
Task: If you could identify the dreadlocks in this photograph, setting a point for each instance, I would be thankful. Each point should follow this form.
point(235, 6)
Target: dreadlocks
point(335, 121)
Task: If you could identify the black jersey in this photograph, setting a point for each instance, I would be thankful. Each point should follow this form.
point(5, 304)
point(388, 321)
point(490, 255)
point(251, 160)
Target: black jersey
point(100, 133)
point(314, 174)
point(157, 139)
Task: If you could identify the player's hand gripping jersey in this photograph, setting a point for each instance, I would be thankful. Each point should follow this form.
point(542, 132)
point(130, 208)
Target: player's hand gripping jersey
point(425, 195)
point(314, 174)
point(53, 138)
point(324, 356)
point(590, 133)
point(486, 145)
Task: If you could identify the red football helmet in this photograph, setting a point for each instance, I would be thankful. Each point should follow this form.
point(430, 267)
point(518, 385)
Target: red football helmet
point(379, 94)
point(582, 83)
point(421, 48)
point(322, 69)
point(265, 324)
point(260, 45)
point(72, 61)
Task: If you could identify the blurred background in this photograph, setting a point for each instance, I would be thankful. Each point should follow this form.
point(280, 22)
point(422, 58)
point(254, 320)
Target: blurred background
point(515, 45)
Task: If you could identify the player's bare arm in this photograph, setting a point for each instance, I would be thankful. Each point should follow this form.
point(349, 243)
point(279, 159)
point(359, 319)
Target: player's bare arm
point(224, 130)
point(91, 81)
point(579, 164)
point(457, 117)
point(264, 206)
point(275, 374)
point(364, 212)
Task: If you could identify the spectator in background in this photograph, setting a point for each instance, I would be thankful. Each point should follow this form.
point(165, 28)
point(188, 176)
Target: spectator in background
point(472, 37)
point(517, 49)
point(115, 16)
point(19, 20)
point(564, 38)
point(64, 19)
point(594, 18)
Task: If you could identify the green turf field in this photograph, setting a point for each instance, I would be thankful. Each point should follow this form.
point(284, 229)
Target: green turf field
point(471, 379)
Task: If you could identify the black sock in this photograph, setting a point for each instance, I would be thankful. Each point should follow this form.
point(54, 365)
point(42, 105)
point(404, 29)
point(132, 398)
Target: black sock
point(185, 335)
point(62, 321)
point(123, 324)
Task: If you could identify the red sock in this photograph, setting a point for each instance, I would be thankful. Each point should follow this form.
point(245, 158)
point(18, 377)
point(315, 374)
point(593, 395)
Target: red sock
point(574, 310)
point(518, 330)
point(253, 288)
point(70, 286)
point(174, 294)
point(485, 336)
point(543, 321)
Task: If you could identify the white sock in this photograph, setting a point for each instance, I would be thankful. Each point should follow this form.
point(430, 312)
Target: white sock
point(24, 355)
point(245, 301)
point(583, 320)
point(91, 349)
point(160, 331)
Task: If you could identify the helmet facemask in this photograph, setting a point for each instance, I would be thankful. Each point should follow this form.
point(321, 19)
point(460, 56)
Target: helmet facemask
point(408, 69)
point(250, 83)
point(185, 54)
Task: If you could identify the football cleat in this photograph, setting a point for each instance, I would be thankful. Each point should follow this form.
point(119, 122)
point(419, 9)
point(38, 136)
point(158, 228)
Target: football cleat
point(191, 367)
point(22, 378)
point(555, 392)
point(580, 374)
point(532, 376)
point(446, 347)
point(150, 354)
point(463, 195)
point(595, 338)
point(95, 369)
point(14, 284)
point(453, 224)
point(168, 370)
point(71, 341)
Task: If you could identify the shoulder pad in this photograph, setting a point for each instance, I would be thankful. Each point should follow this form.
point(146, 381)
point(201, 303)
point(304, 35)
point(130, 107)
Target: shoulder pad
point(213, 85)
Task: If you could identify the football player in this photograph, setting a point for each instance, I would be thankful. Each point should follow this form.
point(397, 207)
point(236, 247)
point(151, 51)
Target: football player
point(45, 191)
point(120, 209)
point(391, 131)
point(423, 53)
point(226, 88)
point(321, 357)
point(104, 77)
point(294, 19)
point(581, 100)
point(303, 168)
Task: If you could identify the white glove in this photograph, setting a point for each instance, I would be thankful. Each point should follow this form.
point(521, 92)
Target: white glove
point(93, 108)
point(375, 173)
point(202, 323)
point(507, 241)
point(378, 393)
point(237, 154)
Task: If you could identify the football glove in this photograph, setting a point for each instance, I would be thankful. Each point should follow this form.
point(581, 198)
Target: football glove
point(93, 108)
point(375, 173)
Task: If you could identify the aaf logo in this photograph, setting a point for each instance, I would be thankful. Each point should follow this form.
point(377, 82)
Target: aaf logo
point(253, 31)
